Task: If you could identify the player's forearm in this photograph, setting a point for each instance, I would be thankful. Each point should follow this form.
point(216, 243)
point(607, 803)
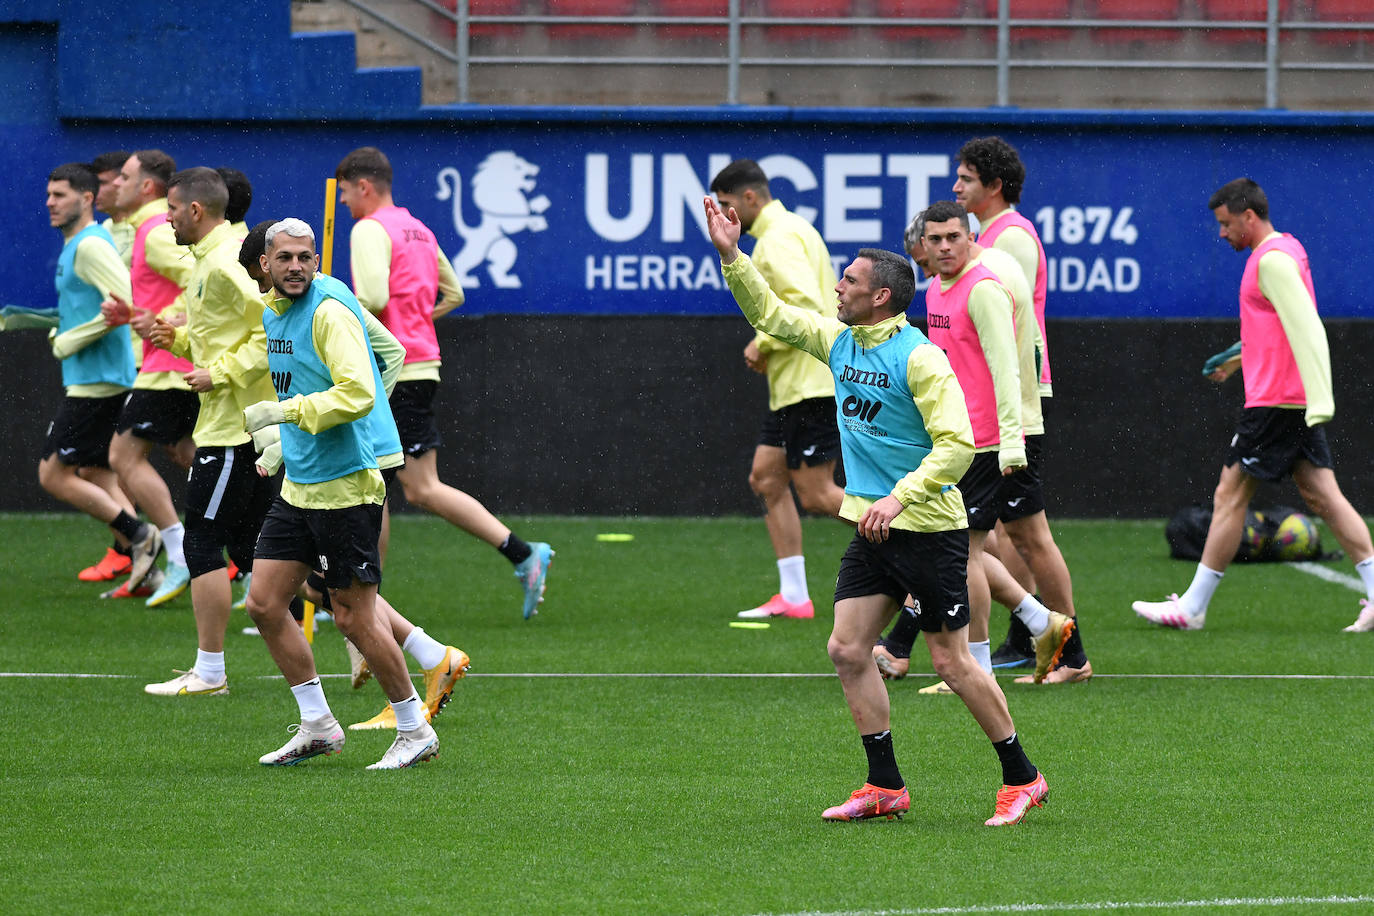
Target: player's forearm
point(941, 403)
point(1282, 285)
point(390, 352)
point(795, 327)
point(991, 315)
point(451, 294)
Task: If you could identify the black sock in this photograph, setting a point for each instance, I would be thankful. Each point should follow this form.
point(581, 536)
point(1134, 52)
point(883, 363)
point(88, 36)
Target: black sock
point(515, 550)
point(297, 607)
point(119, 548)
point(1017, 770)
point(1073, 655)
point(904, 631)
point(127, 525)
point(882, 765)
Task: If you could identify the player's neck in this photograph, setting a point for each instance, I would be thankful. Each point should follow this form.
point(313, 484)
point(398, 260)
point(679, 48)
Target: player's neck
point(71, 230)
point(994, 209)
point(1263, 230)
point(373, 204)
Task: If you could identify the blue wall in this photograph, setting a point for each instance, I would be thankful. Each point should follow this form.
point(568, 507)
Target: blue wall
point(611, 222)
point(655, 413)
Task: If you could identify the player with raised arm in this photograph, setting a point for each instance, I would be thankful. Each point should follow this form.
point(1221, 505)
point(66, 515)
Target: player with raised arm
point(906, 439)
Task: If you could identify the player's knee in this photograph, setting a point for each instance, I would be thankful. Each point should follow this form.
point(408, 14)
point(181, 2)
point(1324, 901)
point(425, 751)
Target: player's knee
point(821, 503)
point(260, 611)
point(954, 668)
point(417, 491)
point(767, 483)
point(847, 655)
point(50, 474)
point(347, 621)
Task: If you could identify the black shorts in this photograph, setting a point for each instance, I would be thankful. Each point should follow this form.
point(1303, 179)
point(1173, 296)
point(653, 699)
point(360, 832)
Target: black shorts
point(1270, 440)
point(161, 415)
point(932, 567)
point(1019, 496)
point(806, 430)
point(225, 504)
point(80, 434)
point(412, 406)
point(340, 543)
point(980, 486)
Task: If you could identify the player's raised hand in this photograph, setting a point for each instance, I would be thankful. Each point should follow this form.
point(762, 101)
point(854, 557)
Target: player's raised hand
point(724, 229)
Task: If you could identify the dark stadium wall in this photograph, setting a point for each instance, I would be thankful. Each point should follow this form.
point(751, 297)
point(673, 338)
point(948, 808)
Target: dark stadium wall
point(657, 415)
point(596, 366)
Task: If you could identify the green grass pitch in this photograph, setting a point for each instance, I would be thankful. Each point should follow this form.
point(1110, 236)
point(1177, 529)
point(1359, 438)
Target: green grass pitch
point(636, 784)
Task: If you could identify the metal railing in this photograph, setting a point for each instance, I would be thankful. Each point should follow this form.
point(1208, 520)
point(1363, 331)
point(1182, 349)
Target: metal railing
point(460, 55)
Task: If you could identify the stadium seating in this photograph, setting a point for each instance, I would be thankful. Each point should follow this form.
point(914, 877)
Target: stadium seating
point(1035, 9)
point(446, 27)
point(1343, 11)
point(687, 8)
point(1241, 10)
point(921, 9)
point(820, 9)
point(591, 30)
point(1163, 10)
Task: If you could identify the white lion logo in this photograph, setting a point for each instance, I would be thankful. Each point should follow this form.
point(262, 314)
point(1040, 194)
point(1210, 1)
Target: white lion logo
point(499, 190)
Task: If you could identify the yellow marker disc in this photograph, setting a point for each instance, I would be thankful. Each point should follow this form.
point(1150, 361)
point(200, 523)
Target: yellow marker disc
point(615, 538)
point(748, 625)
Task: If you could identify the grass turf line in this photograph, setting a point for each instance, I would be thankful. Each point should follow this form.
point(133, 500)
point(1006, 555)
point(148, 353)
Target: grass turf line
point(671, 795)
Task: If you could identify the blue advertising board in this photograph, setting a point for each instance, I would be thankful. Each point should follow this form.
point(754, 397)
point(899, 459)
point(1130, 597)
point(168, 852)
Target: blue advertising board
point(600, 212)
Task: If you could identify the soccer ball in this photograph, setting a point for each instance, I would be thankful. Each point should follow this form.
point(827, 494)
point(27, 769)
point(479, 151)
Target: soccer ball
point(1296, 538)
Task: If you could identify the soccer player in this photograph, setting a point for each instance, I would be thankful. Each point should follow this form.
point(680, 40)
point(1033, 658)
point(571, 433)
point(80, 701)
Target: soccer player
point(799, 442)
point(162, 409)
point(1288, 401)
point(443, 665)
point(398, 274)
point(240, 199)
point(224, 339)
point(329, 511)
point(107, 167)
point(990, 177)
point(892, 653)
point(906, 439)
point(97, 371)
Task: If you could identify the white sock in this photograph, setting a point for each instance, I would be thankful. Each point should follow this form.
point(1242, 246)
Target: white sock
point(210, 666)
point(1366, 570)
point(171, 539)
point(426, 651)
point(1034, 615)
point(409, 713)
point(982, 654)
point(792, 576)
point(310, 698)
point(1205, 581)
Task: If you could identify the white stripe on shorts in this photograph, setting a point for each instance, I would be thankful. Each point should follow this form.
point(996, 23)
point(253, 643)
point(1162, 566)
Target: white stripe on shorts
point(221, 484)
